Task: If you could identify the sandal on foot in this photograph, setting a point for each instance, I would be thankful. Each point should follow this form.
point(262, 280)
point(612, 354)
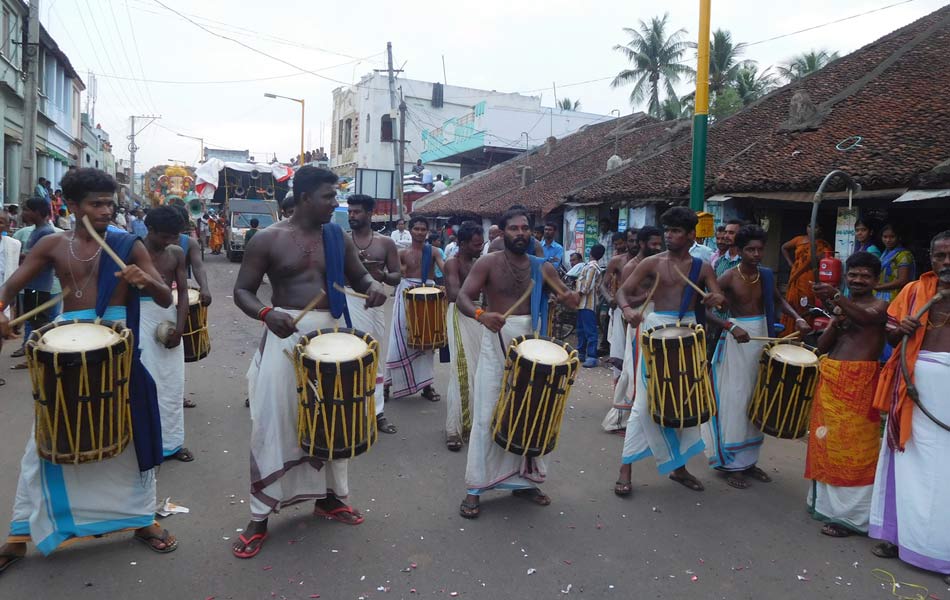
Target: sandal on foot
point(246, 553)
point(453, 443)
point(756, 473)
point(148, 538)
point(18, 353)
point(430, 394)
point(188, 403)
point(11, 560)
point(688, 481)
point(885, 550)
point(337, 515)
point(737, 481)
point(469, 510)
point(835, 530)
point(623, 488)
point(184, 455)
point(533, 494)
point(383, 424)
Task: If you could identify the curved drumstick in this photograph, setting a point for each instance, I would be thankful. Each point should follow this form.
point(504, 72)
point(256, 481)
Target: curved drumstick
point(698, 289)
point(905, 370)
point(310, 306)
point(48, 304)
point(524, 296)
point(353, 293)
point(105, 247)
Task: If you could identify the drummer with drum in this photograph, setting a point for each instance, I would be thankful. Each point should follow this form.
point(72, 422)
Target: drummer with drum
point(732, 440)
point(665, 423)
point(520, 376)
point(99, 489)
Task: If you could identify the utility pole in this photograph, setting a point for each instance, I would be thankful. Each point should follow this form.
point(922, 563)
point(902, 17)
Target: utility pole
point(31, 51)
point(397, 161)
point(132, 147)
point(402, 149)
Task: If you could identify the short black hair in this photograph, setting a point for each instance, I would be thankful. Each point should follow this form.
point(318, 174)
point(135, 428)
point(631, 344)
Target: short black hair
point(738, 222)
point(749, 233)
point(38, 205)
point(865, 259)
point(539, 228)
point(308, 178)
point(721, 229)
point(619, 236)
point(645, 233)
point(77, 183)
point(255, 223)
point(164, 219)
point(367, 202)
point(433, 237)
point(893, 230)
point(414, 220)
point(515, 211)
point(183, 213)
point(680, 216)
point(468, 230)
point(551, 224)
point(597, 251)
point(288, 203)
point(398, 221)
point(578, 255)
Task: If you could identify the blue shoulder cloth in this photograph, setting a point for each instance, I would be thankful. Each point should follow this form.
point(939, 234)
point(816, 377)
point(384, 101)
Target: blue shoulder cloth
point(146, 419)
point(426, 262)
point(539, 301)
point(700, 310)
point(768, 297)
point(333, 250)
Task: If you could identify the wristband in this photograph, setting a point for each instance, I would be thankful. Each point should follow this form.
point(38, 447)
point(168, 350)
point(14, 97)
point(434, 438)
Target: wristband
point(478, 313)
point(3, 305)
point(731, 326)
point(262, 314)
point(801, 319)
point(624, 306)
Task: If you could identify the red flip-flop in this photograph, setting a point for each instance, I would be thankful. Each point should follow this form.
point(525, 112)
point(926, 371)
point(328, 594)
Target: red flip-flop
point(247, 542)
point(334, 515)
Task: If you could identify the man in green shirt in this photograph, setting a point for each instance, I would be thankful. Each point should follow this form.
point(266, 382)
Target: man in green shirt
point(250, 232)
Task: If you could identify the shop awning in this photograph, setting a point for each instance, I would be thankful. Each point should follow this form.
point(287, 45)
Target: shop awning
point(915, 195)
point(810, 196)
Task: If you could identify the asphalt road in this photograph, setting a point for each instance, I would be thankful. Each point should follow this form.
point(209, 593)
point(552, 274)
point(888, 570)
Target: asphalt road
point(664, 542)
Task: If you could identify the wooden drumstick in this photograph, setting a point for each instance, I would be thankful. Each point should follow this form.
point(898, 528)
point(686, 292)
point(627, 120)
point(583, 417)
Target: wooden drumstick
point(48, 304)
point(765, 338)
point(105, 247)
point(656, 283)
point(524, 296)
point(792, 335)
point(689, 281)
point(310, 306)
point(353, 293)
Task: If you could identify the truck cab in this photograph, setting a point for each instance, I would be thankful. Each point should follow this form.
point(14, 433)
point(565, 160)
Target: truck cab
point(239, 213)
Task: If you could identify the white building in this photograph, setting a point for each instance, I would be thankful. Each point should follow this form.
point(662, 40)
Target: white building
point(454, 130)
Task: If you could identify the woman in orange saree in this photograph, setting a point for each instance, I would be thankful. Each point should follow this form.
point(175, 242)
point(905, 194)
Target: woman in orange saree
point(801, 278)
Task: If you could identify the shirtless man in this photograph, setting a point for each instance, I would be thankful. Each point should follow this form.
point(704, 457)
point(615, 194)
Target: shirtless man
point(648, 241)
point(407, 370)
point(503, 277)
point(195, 268)
point(608, 287)
point(119, 493)
point(381, 258)
point(673, 301)
point(166, 361)
point(732, 441)
point(465, 338)
point(303, 257)
point(844, 435)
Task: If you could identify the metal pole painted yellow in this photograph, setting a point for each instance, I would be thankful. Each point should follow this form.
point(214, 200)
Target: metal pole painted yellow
point(697, 182)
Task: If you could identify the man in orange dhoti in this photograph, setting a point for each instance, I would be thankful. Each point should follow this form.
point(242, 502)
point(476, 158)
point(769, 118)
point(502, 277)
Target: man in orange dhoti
point(844, 434)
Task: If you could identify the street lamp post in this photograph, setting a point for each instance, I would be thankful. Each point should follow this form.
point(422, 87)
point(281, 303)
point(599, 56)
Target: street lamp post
point(200, 140)
point(302, 107)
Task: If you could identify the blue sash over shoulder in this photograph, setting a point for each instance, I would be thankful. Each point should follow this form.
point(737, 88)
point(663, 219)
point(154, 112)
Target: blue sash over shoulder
point(146, 420)
point(539, 302)
point(333, 250)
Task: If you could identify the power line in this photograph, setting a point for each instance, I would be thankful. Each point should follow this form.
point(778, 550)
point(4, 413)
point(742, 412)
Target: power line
point(841, 20)
point(138, 54)
point(146, 96)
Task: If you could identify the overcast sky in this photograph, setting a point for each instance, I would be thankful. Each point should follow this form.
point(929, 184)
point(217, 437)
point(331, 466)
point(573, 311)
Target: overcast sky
point(505, 45)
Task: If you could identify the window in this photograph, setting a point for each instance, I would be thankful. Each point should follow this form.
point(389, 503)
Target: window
point(8, 24)
point(348, 133)
point(366, 132)
point(88, 158)
point(386, 129)
point(339, 137)
point(438, 95)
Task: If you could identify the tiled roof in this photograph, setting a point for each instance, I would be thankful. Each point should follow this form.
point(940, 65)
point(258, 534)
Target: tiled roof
point(886, 101)
point(574, 159)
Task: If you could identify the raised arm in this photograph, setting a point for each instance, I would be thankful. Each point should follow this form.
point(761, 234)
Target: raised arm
point(358, 277)
point(141, 272)
point(198, 269)
point(564, 295)
point(393, 270)
point(872, 315)
point(787, 248)
point(474, 283)
point(715, 296)
point(39, 258)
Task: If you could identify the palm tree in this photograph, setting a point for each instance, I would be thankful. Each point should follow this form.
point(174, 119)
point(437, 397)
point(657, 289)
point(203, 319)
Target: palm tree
point(806, 63)
point(724, 63)
point(752, 85)
point(656, 59)
point(566, 104)
point(673, 108)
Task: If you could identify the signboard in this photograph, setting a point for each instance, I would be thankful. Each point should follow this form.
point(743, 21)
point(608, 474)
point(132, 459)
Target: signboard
point(591, 231)
point(844, 231)
point(579, 230)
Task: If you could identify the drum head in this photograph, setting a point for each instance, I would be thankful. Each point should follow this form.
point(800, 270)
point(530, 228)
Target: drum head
point(793, 354)
point(673, 333)
point(78, 337)
point(543, 352)
point(194, 296)
point(425, 290)
point(336, 347)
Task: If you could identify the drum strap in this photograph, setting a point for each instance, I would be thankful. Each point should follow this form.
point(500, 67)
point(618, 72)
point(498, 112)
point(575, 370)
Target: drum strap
point(767, 279)
point(539, 303)
point(146, 418)
point(426, 262)
point(333, 255)
point(688, 293)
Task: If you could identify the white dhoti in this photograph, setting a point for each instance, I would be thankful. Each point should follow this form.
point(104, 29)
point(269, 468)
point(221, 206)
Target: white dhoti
point(489, 465)
point(732, 441)
point(617, 334)
point(911, 488)
point(281, 472)
point(373, 322)
point(848, 506)
point(408, 371)
point(671, 447)
point(167, 368)
point(54, 503)
point(465, 336)
point(625, 386)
